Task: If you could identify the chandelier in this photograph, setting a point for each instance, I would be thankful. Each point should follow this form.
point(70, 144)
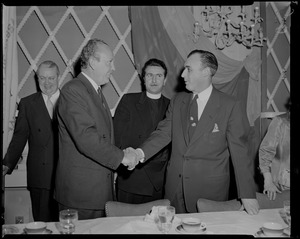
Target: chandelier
point(227, 26)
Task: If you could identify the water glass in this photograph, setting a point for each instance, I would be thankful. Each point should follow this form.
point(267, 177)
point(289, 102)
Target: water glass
point(67, 219)
point(287, 211)
point(166, 215)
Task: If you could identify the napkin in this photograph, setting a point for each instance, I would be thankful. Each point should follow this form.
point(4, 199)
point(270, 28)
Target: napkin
point(153, 216)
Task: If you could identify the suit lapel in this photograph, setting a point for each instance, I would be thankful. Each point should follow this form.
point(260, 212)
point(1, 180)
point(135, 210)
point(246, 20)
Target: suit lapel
point(206, 120)
point(108, 114)
point(40, 106)
point(184, 109)
point(104, 111)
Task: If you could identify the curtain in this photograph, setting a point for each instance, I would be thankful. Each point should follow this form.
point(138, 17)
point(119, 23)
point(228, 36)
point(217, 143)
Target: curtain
point(166, 33)
point(151, 40)
point(10, 72)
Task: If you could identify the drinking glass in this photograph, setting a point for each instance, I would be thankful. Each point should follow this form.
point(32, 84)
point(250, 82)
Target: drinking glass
point(166, 215)
point(67, 219)
point(287, 211)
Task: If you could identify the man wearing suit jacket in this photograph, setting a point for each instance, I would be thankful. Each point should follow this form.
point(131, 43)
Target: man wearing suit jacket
point(199, 163)
point(35, 125)
point(136, 116)
point(87, 154)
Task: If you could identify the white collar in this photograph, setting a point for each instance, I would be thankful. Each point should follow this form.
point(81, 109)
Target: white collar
point(91, 81)
point(153, 96)
point(53, 97)
point(205, 94)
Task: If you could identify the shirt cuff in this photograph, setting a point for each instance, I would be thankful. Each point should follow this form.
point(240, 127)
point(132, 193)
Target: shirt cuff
point(141, 154)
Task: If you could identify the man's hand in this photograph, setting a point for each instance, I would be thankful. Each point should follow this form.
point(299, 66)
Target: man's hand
point(131, 158)
point(269, 187)
point(251, 205)
point(4, 170)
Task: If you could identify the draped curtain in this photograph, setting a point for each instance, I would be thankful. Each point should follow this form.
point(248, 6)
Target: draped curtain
point(165, 32)
point(10, 72)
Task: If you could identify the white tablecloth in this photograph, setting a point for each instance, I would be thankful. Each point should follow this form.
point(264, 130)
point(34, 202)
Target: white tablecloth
point(229, 222)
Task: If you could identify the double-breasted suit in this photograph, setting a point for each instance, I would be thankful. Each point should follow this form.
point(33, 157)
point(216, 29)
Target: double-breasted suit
point(203, 162)
point(34, 125)
point(134, 121)
point(87, 154)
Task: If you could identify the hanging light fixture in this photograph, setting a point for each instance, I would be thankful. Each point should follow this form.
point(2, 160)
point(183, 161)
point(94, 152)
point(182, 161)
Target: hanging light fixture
point(218, 22)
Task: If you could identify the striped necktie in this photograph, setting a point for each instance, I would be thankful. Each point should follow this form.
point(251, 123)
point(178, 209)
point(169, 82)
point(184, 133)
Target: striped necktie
point(49, 105)
point(101, 96)
point(193, 117)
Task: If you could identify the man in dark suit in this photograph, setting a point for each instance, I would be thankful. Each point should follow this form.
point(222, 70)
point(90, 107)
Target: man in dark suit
point(35, 125)
point(202, 141)
point(87, 154)
point(136, 116)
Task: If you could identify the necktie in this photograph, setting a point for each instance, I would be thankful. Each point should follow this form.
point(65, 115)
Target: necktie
point(50, 107)
point(101, 96)
point(193, 117)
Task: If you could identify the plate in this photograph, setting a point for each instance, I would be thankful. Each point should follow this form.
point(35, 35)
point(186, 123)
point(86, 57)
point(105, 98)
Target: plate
point(260, 233)
point(47, 231)
point(9, 230)
point(180, 229)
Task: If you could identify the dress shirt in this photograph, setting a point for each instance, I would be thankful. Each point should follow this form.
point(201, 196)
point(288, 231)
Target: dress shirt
point(53, 97)
point(92, 82)
point(203, 97)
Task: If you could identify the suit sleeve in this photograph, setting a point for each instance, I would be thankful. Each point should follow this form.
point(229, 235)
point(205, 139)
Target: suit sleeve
point(267, 150)
point(19, 139)
point(237, 137)
point(121, 121)
point(161, 137)
point(79, 118)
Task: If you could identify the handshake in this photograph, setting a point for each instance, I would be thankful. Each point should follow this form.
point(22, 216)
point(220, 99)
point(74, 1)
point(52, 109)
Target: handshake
point(132, 157)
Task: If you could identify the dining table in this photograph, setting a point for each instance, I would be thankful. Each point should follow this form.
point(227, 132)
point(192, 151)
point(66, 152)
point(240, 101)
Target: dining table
point(222, 222)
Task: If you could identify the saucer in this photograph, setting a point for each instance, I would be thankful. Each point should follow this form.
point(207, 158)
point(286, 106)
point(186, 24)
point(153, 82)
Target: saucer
point(180, 229)
point(260, 233)
point(47, 231)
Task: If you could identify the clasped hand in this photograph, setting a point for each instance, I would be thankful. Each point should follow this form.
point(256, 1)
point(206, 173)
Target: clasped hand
point(131, 158)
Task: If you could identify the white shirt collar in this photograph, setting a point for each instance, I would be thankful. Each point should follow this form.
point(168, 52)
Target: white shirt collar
point(53, 97)
point(153, 96)
point(205, 94)
point(91, 81)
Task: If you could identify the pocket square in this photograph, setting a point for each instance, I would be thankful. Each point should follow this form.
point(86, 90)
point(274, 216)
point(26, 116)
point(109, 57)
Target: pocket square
point(216, 128)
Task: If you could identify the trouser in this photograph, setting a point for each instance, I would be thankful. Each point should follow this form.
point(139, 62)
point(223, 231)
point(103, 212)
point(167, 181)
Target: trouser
point(44, 207)
point(178, 200)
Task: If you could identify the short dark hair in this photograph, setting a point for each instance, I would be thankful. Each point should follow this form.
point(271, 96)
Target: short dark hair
point(49, 64)
point(89, 50)
point(154, 62)
point(208, 59)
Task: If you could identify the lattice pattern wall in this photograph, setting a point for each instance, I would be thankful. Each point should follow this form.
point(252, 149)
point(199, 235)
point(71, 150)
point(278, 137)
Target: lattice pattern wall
point(59, 34)
point(278, 56)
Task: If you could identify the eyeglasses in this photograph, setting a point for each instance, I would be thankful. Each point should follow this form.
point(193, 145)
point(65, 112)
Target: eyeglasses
point(157, 76)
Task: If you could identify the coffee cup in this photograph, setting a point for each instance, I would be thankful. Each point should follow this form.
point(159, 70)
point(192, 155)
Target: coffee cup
point(192, 224)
